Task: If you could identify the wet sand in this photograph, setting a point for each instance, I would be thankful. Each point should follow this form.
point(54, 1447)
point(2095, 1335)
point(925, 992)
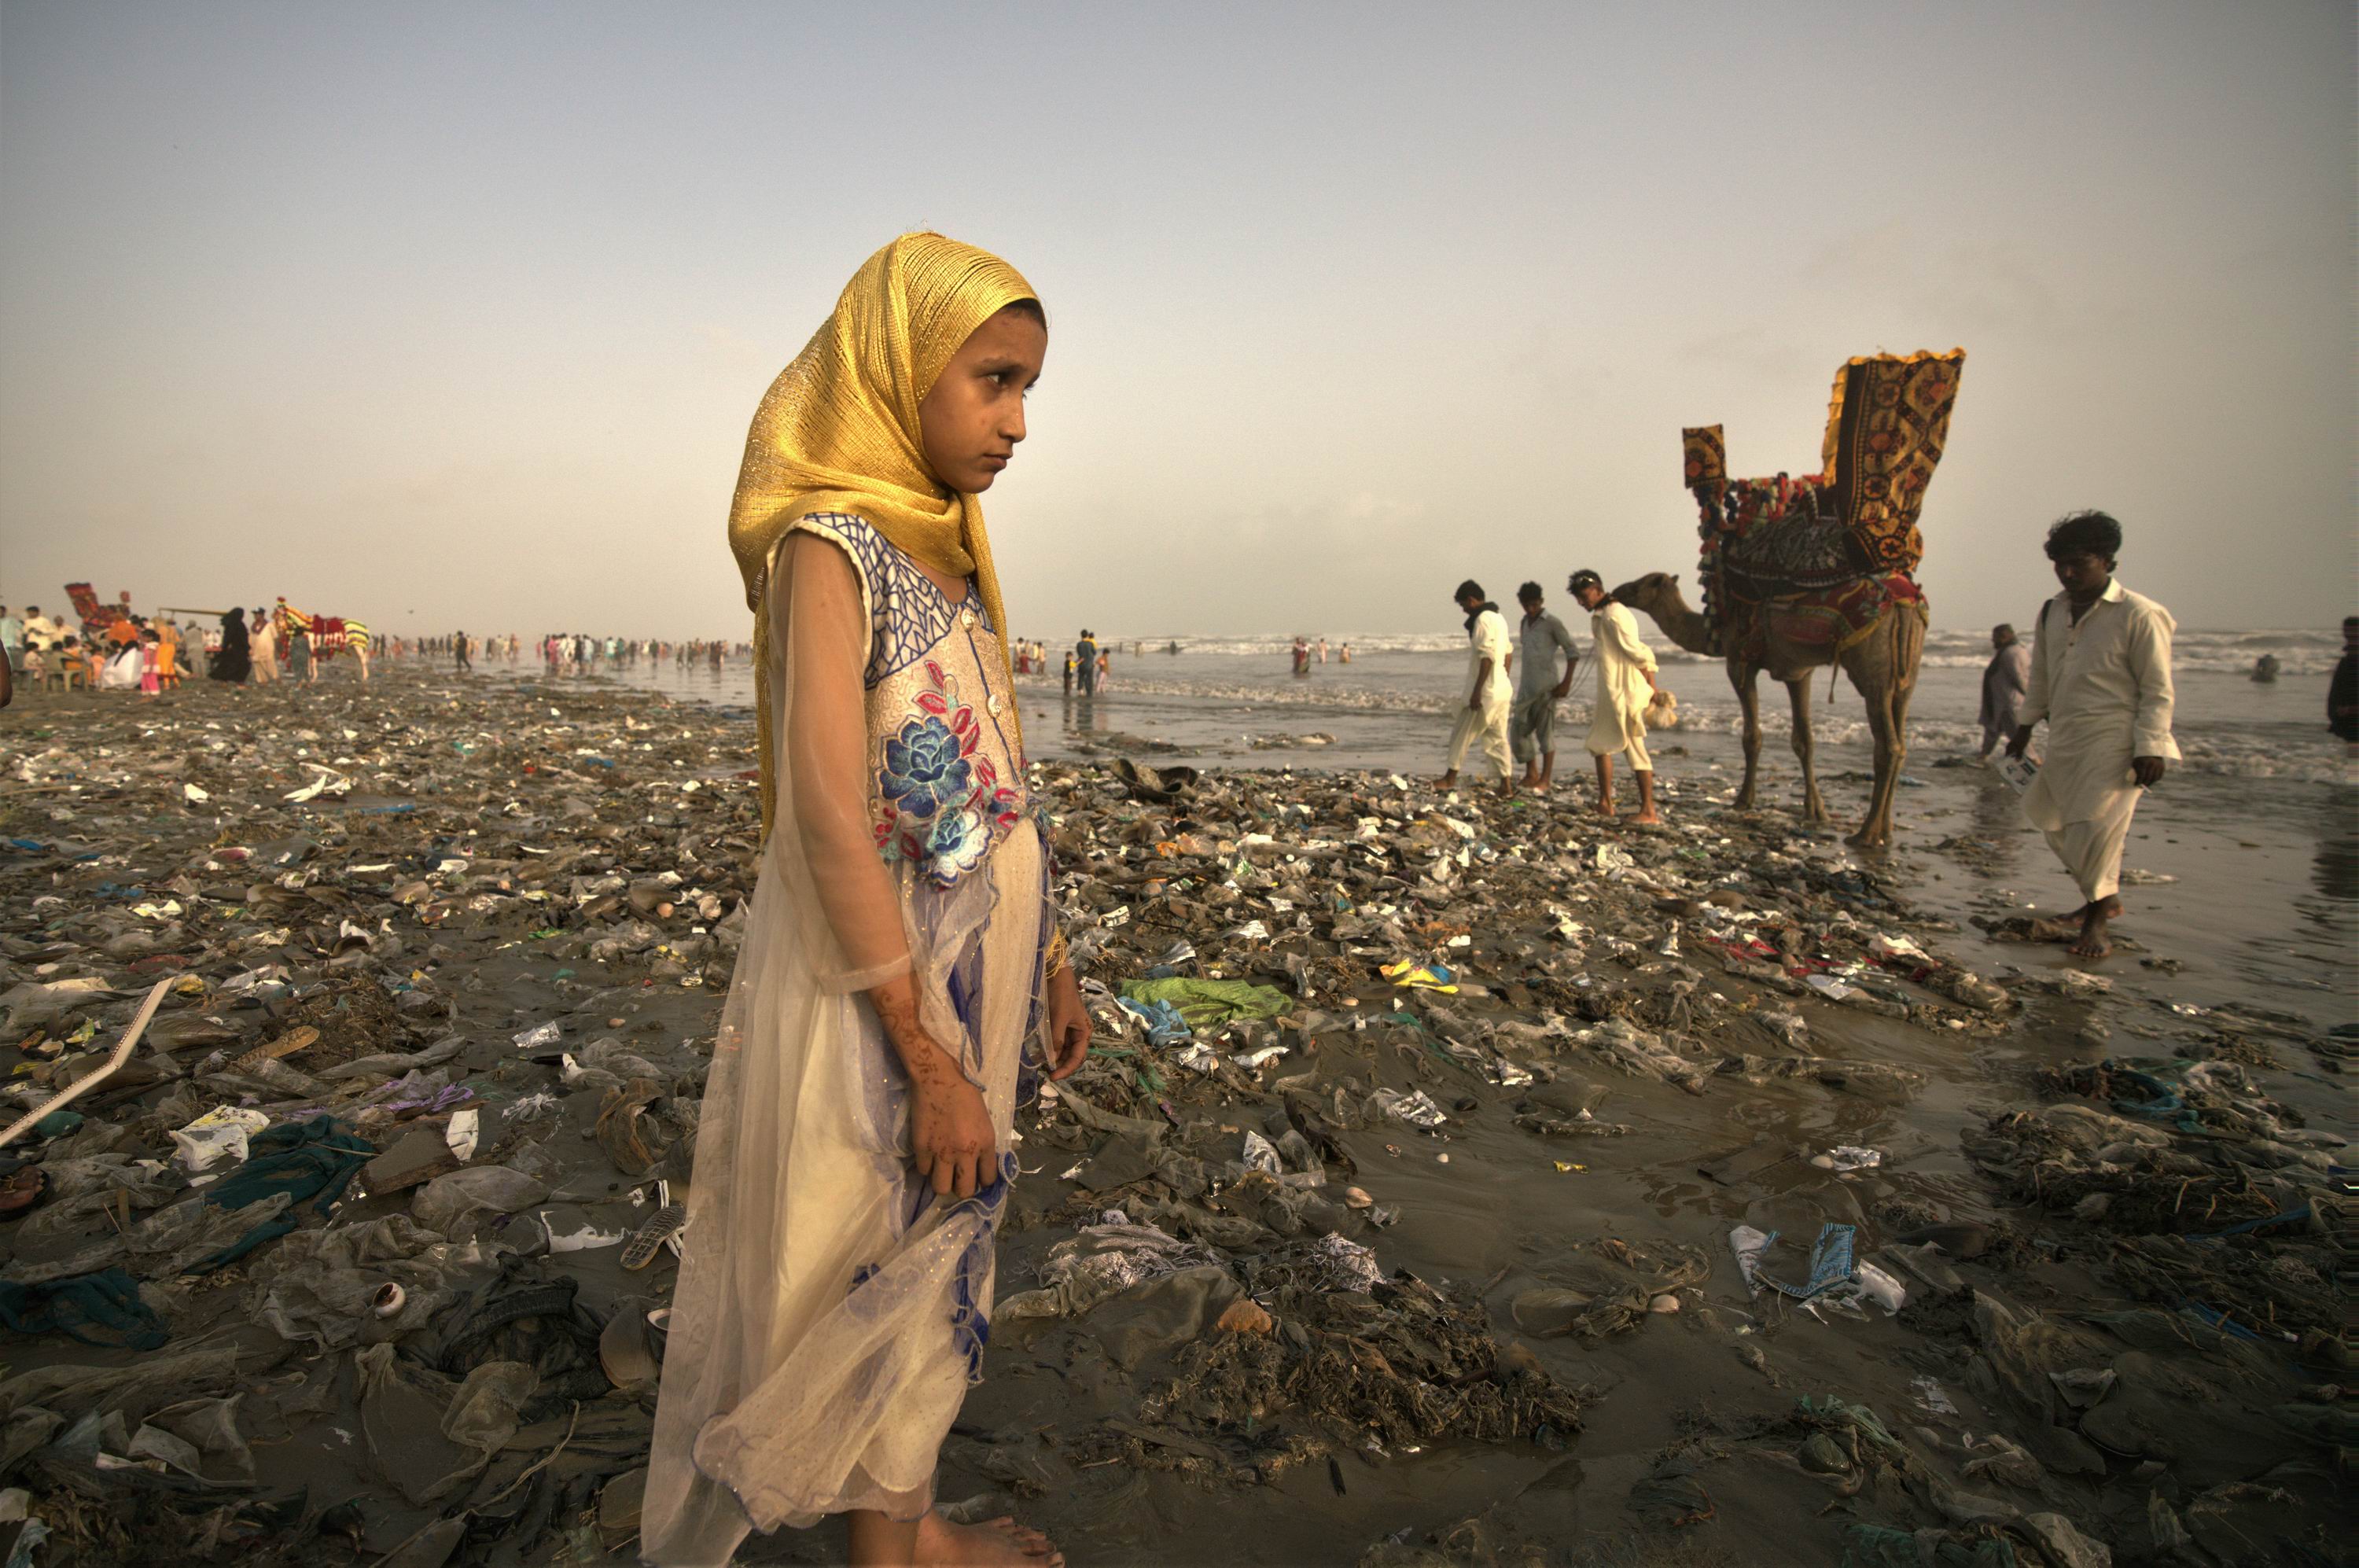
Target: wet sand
point(2248, 956)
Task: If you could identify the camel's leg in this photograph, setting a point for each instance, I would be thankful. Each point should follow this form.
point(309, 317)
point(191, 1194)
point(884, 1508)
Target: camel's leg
point(1907, 650)
point(1740, 675)
point(1875, 828)
point(1814, 809)
point(1885, 670)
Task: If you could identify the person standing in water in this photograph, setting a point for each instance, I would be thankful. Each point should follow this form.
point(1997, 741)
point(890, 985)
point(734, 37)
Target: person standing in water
point(1625, 684)
point(1086, 662)
point(854, 1147)
point(2101, 677)
point(1538, 688)
point(1489, 696)
point(2004, 681)
point(2342, 691)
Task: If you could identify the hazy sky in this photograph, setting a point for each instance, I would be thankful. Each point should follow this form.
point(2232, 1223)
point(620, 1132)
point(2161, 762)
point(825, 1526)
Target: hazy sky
point(443, 315)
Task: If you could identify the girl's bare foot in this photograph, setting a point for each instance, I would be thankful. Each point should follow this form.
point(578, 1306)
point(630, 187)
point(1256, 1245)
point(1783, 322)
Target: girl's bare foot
point(997, 1543)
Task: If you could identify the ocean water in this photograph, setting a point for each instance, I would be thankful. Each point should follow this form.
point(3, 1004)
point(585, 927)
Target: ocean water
point(1236, 701)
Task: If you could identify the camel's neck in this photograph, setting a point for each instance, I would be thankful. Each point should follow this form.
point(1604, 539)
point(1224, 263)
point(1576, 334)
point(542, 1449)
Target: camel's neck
point(1684, 625)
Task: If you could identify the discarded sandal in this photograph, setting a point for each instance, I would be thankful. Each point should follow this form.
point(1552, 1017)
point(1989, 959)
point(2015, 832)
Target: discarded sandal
point(665, 1225)
point(21, 1189)
point(628, 1349)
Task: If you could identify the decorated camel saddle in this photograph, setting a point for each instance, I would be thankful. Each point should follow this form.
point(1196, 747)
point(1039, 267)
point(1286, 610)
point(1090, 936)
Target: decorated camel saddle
point(1821, 558)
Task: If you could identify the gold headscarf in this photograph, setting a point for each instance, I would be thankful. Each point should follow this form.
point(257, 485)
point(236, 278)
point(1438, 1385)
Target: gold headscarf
point(837, 432)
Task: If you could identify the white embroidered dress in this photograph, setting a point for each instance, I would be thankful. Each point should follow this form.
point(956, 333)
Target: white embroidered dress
point(830, 1311)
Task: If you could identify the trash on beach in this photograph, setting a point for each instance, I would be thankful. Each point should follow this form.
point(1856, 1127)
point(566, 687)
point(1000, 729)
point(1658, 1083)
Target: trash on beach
point(477, 984)
point(1417, 1108)
point(219, 1134)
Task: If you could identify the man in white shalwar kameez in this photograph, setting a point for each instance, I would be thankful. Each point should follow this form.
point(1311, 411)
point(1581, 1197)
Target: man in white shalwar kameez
point(1625, 684)
point(1490, 698)
point(2101, 677)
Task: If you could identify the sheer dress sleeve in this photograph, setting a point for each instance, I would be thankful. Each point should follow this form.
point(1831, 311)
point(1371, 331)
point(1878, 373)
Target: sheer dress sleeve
point(816, 597)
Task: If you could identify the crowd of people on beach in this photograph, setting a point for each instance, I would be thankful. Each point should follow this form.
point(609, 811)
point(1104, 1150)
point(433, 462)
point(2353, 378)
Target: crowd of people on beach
point(153, 654)
point(120, 649)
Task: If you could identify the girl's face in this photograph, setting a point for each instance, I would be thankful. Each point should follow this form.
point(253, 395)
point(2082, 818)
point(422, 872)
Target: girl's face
point(971, 421)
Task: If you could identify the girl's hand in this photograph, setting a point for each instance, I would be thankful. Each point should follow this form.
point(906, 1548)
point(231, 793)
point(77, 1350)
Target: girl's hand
point(950, 1141)
point(1069, 1024)
point(949, 1137)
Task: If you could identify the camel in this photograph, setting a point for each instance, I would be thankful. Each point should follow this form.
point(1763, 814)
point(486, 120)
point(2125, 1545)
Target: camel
point(1881, 666)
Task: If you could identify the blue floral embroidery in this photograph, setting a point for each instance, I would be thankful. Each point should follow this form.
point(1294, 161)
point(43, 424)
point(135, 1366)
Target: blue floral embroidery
point(942, 805)
point(925, 768)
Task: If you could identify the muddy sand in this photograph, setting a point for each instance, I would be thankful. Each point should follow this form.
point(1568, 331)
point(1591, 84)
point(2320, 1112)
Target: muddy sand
point(1590, 1258)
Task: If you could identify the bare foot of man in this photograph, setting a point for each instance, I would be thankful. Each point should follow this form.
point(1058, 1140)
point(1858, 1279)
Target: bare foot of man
point(2095, 917)
point(998, 1543)
point(1646, 819)
point(1605, 808)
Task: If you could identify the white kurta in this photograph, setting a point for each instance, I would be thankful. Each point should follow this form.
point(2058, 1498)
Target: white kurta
point(1493, 695)
point(1617, 720)
point(2103, 686)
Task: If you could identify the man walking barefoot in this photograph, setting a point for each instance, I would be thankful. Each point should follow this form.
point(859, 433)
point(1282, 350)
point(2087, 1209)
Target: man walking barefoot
point(1625, 684)
point(1537, 690)
point(1488, 696)
point(2101, 677)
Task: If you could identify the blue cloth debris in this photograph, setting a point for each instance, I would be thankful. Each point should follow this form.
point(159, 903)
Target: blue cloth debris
point(1165, 1026)
point(1830, 1263)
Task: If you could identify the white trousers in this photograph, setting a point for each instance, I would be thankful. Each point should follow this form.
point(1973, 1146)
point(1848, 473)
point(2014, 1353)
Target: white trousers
point(2092, 852)
point(1487, 724)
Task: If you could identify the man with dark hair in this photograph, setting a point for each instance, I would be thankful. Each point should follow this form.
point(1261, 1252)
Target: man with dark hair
point(1086, 662)
point(2342, 691)
point(1488, 696)
point(2101, 677)
point(1537, 690)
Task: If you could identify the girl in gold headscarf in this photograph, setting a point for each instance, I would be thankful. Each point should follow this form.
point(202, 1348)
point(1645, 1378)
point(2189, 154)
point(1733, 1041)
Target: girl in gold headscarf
point(853, 1158)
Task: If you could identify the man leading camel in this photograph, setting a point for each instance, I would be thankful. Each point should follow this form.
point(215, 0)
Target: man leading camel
point(2101, 677)
point(1625, 684)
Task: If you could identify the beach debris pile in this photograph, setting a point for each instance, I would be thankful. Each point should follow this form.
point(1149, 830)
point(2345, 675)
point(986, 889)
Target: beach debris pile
point(438, 965)
point(362, 1250)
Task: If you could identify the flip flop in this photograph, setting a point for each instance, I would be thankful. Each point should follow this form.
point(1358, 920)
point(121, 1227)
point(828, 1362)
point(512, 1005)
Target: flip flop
point(665, 1225)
